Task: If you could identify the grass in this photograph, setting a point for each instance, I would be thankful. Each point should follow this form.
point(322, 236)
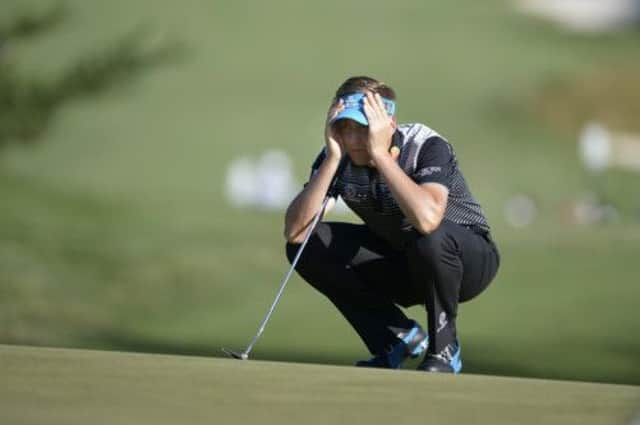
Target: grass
point(114, 233)
point(76, 386)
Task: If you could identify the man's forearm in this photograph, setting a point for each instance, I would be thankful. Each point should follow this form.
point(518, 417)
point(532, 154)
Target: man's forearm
point(302, 209)
point(418, 205)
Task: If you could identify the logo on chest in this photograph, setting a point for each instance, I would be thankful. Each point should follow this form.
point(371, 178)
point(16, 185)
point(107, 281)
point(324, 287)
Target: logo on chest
point(375, 196)
point(350, 193)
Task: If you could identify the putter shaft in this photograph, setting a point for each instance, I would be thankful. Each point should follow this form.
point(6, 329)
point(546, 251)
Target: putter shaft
point(316, 218)
point(244, 355)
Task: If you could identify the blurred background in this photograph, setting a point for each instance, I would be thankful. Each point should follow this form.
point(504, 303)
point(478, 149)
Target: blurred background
point(129, 221)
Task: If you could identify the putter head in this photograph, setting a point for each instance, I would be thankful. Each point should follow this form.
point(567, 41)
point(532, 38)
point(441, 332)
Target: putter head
point(236, 355)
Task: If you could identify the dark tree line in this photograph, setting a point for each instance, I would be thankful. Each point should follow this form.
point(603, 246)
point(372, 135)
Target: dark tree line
point(27, 104)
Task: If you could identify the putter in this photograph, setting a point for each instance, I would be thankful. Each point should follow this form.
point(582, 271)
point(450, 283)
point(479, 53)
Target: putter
point(244, 355)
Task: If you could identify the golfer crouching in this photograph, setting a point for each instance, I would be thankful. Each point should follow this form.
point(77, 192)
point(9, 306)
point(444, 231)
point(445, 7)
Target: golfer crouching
point(425, 239)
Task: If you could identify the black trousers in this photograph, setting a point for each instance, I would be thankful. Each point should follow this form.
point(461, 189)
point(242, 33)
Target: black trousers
point(366, 279)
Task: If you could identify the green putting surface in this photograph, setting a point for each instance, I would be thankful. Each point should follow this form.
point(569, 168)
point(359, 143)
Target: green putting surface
point(115, 230)
point(59, 386)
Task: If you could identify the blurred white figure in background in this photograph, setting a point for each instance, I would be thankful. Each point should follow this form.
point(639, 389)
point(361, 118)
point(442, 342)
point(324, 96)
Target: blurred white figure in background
point(600, 149)
point(266, 184)
point(520, 211)
point(590, 210)
point(625, 148)
point(274, 180)
point(594, 147)
point(241, 184)
point(586, 15)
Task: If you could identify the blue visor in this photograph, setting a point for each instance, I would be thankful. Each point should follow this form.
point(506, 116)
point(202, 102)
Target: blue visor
point(354, 108)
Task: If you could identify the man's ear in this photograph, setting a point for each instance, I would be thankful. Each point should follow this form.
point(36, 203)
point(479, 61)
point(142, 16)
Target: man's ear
point(394, 122)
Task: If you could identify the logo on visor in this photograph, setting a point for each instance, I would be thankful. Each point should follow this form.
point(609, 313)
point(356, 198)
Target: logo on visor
point(355, 101)
point(352, 102)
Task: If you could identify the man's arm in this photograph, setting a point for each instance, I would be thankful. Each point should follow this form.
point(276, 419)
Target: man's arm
point(302, 209)
point(423, 204)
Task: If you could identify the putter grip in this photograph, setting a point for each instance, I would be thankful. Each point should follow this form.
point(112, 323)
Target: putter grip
point(332, 191)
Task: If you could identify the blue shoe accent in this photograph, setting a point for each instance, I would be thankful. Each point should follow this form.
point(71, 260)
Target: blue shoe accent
point(413, 342)
point(420, 348)
point(456, 360)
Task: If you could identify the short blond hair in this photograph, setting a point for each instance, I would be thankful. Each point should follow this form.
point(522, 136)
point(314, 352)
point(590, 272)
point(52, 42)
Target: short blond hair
point(361, 84)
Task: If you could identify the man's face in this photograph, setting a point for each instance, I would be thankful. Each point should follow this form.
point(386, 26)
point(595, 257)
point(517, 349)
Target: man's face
point(353, 136)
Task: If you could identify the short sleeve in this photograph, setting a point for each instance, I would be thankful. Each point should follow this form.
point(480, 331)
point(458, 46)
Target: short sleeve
point(316, 164)
point(435, 163)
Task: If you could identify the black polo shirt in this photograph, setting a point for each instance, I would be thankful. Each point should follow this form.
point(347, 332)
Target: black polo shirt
point(426, 157)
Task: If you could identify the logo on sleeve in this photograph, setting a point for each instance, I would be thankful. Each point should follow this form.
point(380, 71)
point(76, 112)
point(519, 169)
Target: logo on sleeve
point(428, 171)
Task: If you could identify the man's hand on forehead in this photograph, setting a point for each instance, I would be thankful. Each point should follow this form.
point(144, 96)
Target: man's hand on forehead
point(381, 125)
point(334, 150)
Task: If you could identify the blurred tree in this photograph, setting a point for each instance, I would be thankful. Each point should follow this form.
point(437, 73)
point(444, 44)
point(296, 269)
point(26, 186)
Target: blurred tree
point(28, 105)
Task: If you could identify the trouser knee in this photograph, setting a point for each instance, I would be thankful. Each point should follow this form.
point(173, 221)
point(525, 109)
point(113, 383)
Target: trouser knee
point(435, 262)
point(430, 247)
point(291, 249)
point(314, 242)
point(318, 265)
point(310, 264)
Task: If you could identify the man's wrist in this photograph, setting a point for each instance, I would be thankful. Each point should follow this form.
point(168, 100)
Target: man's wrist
point(332, 160)
point(379, 156)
